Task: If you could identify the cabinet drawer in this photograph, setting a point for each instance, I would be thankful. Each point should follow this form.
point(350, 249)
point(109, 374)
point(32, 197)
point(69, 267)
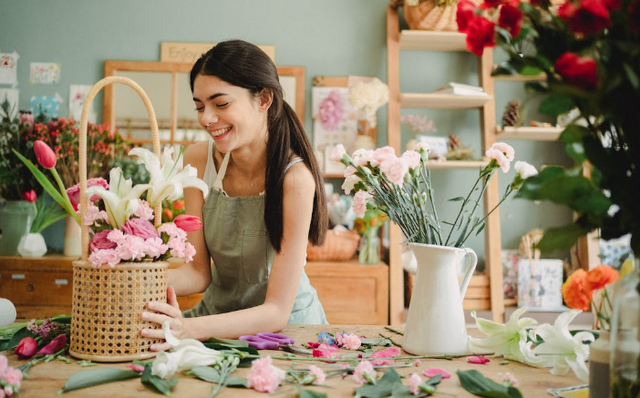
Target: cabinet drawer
point(37, 287)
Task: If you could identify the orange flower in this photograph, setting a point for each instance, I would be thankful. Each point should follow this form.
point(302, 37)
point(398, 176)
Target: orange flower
point(168, 214)
point(577, 291)
point(601, 276)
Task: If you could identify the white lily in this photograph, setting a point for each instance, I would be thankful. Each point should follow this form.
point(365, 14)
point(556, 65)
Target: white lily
point(121, 199)
point(185, 354)
point(167, 176)
point(562, 351)
point(508, 340)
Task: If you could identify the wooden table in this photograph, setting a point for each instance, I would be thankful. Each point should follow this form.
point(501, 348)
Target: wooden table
point(46, 379)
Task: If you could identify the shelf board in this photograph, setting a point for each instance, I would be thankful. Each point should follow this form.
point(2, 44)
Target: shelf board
point(529, 133)
point(522, 78)
point(442, 101)
point(432, 40)
point(457, 164)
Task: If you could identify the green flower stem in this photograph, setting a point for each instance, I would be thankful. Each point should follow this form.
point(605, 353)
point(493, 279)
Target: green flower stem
point(12, 329)
point(464, 203)
point(389, 328)
point(65, 196)
point(508, 192)
point(315, 359)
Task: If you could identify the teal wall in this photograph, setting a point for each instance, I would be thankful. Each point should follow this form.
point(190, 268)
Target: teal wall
point(328, 37)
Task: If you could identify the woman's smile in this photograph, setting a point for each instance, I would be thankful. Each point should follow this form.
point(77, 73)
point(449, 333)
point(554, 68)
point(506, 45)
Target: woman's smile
point(219, 133)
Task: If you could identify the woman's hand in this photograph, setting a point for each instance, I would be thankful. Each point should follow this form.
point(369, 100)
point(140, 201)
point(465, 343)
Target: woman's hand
point(162, 312)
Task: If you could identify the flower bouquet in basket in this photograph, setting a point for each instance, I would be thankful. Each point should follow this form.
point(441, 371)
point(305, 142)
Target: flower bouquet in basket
point(126, 250)
point(401, 188)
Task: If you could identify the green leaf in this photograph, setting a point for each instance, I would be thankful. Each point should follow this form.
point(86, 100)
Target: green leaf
point(94, 377)
point(631, 75)
point(227, 342)
point(573, 136)
point(561, 238)
point(378, 341)
point(475, 383)
point(17, 337)
point(556, 104)
point(207, 373)
point(434, 380)
point(311, 394)
point(529, 70)
point(162, 385)
point(405, 392)
point(456, 199)
point(536, 87)
point(383, 387)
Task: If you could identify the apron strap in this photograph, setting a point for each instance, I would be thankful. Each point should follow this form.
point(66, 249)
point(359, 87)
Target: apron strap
point(223, 169)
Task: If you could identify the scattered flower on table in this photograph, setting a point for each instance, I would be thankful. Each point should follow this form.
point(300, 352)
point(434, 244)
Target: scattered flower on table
point(348, 341)
point(185, 354)
point(315, 376)
point(509, 340)
point(365, 373)
point(508, 379)
point(386, 353)
point(26, 348)
point(55, 345)
point(562, 351)
point(263, 376)
point(437, 371)
point(325, 351)
point(478, 359)
point(417, 363)
point(10, 378)
point(327, 338)
point(414, 383)
point(136, 367)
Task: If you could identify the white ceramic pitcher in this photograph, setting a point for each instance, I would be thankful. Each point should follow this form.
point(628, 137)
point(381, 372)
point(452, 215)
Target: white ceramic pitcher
point(435, 322)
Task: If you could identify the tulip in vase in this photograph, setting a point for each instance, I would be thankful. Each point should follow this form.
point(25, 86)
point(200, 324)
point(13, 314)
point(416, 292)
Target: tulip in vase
point(401, 188)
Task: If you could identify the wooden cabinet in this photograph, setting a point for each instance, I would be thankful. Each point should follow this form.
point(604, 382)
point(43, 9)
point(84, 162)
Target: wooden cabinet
point(486, 289)
point(352, 293)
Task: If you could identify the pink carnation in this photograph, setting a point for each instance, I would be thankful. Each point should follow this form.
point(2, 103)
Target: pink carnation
point(394, 170)
point(362, 157)
point(144, 210)
point(4, 363)
point(12, 376)
point(318, 373)
point(508, 151)
point(510, 378)
point(364, 370)
point(500, 158)
point(415, 384)
point(141, 228)
point(382, 154)
point(348, 340)
point(360, 202)
point(102, 257)
point(337, 153)
point(263, 376)
point(94, 214)
point(349, 171)
point(412, 159)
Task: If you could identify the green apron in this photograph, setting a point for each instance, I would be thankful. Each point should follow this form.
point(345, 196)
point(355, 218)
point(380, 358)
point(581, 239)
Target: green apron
point(242, 254)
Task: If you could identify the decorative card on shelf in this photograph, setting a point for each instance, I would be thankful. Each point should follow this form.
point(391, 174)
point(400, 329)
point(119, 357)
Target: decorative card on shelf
point(49, 104)
point(334, 120)
point(12, 95)
point(45, 73)
point(613, 252)
point(539, 283)
point(510, 260)
point(77, 94)
point(9, 68)
point(438, 146)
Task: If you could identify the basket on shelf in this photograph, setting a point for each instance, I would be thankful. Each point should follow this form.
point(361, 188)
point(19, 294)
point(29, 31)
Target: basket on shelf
point(338, 246)
point(107, 303)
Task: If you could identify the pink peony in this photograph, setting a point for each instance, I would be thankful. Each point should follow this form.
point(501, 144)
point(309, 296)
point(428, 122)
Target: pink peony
point(263, 376)
point(74, 191)
point(101, 241)
point(318, 373)
point(387, 353)
point(140, 228)
point(360, 202)
point(500, 158)
point(394, 170)
point(364, 372)
point(415, 384)
point(337, 153)
point(436, 371)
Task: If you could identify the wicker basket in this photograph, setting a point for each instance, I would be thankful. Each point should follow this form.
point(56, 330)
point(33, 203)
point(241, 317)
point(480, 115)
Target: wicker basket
point(107, 303)
point(428, 16)
point(339, 246)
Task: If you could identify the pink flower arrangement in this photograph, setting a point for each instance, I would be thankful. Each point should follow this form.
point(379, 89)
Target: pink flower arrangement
point(400, 187)
point(263, 376)
point(120, 222)
point(331, 111)
point(10, 378)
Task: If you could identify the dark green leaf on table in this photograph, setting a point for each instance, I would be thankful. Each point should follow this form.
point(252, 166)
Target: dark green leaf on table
point(17, 337)
point(378, 342)
point(227, 342)
point(161, 385)
point(475, 383)
point(311, 394)
point(383, 387)
point(94, 377)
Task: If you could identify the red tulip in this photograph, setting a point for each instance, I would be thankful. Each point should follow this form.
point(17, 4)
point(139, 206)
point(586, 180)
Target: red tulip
point(30, 196)
point(44, 153)
point(188, 223)
point(26, 348)
point(54, 345)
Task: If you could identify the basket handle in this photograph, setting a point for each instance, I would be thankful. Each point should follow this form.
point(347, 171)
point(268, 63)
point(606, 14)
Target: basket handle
point(82, 150)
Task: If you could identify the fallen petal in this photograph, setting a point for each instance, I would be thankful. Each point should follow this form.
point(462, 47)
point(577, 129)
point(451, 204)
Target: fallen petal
point(437, 371)
point(479, 359)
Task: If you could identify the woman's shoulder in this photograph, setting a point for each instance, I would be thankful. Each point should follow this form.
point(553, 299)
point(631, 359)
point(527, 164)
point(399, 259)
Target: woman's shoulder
point(299, 176)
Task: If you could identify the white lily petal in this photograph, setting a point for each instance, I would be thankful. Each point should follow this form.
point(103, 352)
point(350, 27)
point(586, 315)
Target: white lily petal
point(150, 160)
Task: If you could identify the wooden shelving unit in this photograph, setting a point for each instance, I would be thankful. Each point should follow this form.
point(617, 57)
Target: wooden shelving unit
point(529, 133)
point(488, 292)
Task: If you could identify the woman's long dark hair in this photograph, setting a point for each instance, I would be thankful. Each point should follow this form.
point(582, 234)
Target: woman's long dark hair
point(245, 65)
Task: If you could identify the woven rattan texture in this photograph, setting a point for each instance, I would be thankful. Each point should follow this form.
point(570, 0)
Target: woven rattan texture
point(338, 246)
point(107, 307)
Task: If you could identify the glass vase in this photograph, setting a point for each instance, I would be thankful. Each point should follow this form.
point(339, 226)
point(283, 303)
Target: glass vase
point(16, 217)
point(370, 247)
point(625, 337)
